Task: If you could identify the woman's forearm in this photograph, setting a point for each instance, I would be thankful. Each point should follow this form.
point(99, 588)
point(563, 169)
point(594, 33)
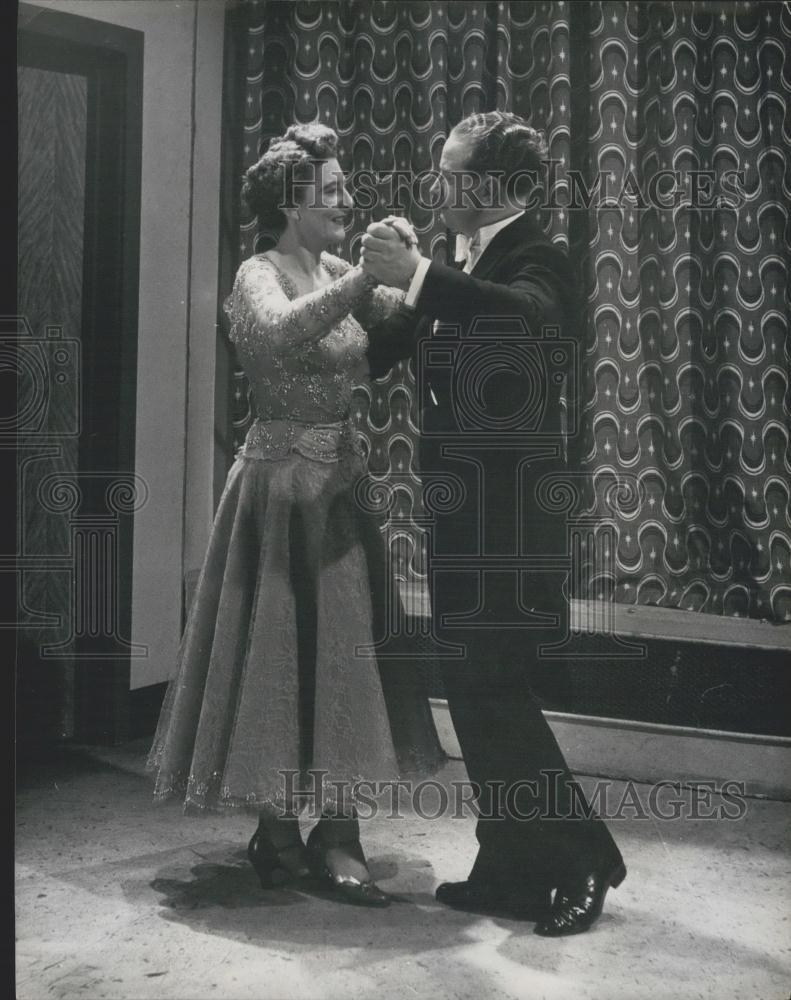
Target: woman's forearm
point(266, 316)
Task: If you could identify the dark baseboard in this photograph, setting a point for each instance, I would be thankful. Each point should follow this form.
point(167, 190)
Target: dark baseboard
point(699, 685)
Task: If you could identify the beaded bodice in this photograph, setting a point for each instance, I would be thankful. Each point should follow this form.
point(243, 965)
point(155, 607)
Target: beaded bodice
point(309, 380)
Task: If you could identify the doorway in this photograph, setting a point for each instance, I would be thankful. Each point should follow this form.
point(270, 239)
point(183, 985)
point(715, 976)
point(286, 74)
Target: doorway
point(79, 155)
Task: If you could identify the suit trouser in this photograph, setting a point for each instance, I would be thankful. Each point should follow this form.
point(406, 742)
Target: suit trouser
point(535, 823)
point(535, 820)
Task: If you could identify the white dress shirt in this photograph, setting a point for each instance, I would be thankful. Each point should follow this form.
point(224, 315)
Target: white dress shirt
point(468, 249)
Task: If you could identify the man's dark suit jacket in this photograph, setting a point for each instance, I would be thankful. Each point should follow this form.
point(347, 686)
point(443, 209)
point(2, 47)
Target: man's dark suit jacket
point(519, 276)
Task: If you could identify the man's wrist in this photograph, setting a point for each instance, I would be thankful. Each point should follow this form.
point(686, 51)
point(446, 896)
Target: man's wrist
point(409, 275)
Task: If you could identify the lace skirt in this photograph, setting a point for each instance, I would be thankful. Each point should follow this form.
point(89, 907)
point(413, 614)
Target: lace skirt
point(276, 681)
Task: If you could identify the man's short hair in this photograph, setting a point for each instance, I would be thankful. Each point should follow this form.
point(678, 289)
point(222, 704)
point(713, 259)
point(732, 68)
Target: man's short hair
point(503, 143)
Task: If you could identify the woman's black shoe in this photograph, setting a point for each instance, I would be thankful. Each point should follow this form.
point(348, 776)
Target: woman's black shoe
point(277, 866)
point(363, 893)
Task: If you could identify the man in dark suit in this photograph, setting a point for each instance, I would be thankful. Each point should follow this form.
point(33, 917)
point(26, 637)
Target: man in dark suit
point(493, 345)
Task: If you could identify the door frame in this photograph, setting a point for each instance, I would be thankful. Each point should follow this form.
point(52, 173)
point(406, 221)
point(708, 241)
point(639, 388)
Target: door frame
point(111, 57)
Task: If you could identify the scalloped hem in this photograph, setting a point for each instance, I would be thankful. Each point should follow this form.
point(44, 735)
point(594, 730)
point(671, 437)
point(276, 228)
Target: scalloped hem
point(207, 798)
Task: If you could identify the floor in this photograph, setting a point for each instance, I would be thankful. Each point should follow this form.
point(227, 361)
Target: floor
point(118, 897)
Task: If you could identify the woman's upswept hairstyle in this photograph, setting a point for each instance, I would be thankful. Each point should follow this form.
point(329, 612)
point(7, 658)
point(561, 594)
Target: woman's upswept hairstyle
point(269, 184)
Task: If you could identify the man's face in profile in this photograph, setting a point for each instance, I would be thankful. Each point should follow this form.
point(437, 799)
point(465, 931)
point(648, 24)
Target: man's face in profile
point(459, 195)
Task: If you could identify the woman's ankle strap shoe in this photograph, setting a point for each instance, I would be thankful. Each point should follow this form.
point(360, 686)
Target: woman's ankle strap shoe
point(277, 866)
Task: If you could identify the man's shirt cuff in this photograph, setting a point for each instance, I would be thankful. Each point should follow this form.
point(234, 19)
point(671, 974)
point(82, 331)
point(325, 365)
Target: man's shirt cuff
point(416, 284)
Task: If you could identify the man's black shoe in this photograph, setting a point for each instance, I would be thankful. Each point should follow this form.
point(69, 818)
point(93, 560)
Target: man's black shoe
point(579, 902)
point(484, 897)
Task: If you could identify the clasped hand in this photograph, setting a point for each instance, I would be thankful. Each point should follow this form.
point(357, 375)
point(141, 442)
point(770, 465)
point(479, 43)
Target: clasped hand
point(390, 252)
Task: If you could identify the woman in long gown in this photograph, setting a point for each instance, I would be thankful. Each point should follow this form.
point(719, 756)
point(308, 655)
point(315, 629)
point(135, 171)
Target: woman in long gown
point(274, 691)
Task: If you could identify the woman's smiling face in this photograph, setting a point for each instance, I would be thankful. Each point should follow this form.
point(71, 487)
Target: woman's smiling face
point(324, 207)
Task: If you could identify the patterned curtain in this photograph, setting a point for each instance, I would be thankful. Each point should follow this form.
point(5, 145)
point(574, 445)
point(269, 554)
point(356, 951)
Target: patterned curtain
point(685, 354)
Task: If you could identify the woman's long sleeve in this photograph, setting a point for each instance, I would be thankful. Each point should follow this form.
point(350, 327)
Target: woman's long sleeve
point(380, 303)
point(261, 314)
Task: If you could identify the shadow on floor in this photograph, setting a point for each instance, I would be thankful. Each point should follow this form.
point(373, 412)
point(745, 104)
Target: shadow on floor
point(221, 891)
point(222, 896)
